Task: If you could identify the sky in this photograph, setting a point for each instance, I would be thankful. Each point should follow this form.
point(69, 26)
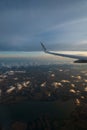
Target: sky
point(59, 24)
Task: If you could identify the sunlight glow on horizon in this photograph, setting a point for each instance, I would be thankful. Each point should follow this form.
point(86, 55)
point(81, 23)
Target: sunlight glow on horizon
point(20, 54)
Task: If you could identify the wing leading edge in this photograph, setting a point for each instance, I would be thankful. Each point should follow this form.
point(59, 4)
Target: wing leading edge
point(80, 59)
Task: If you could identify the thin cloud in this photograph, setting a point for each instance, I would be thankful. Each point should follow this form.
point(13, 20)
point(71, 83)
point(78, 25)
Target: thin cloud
point(23, 24)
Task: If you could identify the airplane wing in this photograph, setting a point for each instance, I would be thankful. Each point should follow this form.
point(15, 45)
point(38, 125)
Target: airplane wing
point(79, 58)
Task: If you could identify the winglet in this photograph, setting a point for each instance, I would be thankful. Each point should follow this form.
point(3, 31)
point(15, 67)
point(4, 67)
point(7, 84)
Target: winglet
point(44, 48)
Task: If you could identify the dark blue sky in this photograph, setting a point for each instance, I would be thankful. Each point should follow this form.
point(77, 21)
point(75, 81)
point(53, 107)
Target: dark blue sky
point(61, 24)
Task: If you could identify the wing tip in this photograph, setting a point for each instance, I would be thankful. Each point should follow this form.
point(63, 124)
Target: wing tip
point(44, 48)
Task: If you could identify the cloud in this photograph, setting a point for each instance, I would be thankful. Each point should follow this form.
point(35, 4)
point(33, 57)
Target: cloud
point(23, 24)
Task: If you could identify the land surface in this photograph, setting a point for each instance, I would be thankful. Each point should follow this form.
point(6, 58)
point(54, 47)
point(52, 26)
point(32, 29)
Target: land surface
point(40, 96)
